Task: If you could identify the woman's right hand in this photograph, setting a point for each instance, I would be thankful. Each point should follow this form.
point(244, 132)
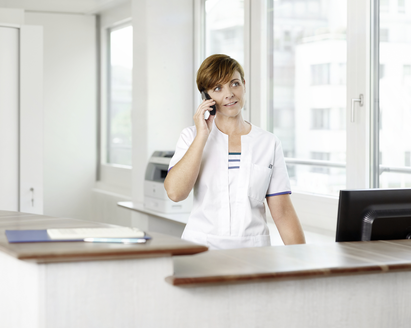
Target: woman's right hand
point(204, 126)
point(181, 179)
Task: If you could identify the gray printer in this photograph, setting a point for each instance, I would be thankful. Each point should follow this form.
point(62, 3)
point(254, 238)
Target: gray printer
point(155, 196)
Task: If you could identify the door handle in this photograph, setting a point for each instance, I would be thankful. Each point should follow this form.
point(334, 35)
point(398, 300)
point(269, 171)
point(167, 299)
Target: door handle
point(353, 101)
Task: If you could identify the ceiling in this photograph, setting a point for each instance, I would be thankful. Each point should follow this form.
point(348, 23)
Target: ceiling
point(62, 6)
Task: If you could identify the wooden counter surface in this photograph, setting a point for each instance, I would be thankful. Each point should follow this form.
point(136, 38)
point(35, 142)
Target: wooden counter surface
point(160, 245)
point(296, 261)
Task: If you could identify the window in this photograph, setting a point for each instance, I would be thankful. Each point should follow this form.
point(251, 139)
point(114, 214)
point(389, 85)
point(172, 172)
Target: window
point(394, 138)
point(384, 35)
point(320, 118)
point(385, 5)
point(322, 157)
point(320, 74)
point(314, 7)
point(224, 32)
point(309, 84)
point(382, 71)
point(401, 6)
point(290, 168)
point(304, 98)
point(287, 8)
point(284, 118)
point(224, 28)
point(406, 74)
point(341, 74)
point(283, 75)
point(119, 96)
point(407, 158)
point(380, 120)
point(342, 119)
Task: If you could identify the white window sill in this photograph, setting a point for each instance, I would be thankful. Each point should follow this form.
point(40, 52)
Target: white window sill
point(115, 179)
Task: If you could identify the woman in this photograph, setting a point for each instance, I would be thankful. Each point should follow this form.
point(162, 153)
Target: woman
point(232, 166)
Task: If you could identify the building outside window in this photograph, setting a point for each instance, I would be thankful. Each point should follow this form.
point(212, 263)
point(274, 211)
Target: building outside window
point(320, 118)
point(341, 74)
point(224, 28)
point(385, 6)
point(382, 71)
point(316, 155)
point(394, 96)
point(406, 74)
point(119, 96)
point(384, 35)
point(320, 74)
point(315, 91)
point(401, 6)
point(407, 158)
point(307, 77)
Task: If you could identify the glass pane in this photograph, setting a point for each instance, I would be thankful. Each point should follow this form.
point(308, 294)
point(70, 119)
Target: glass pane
point(307, 89)
point(395, 94)
point(120, 88)
point(224, 28)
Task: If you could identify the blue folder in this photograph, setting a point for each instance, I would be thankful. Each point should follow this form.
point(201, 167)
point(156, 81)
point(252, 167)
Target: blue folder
point(32, 236)
point(40, 236)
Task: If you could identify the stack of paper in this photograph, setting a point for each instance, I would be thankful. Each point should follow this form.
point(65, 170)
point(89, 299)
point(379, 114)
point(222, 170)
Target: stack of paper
point(81, 233)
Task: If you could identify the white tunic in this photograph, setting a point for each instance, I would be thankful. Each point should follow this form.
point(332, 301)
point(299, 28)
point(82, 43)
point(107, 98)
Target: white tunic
point(230, 213)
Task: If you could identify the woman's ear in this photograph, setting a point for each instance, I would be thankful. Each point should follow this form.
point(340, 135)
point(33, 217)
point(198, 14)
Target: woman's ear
point(244, 85)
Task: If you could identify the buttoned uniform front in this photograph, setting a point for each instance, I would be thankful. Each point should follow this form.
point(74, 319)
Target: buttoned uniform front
point(213, 221)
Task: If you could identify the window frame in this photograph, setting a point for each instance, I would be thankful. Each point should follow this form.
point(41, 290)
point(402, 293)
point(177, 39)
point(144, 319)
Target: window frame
point(361, 49)
point(111, 177)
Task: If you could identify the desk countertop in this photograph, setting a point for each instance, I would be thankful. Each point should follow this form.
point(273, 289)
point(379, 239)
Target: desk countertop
point(160, 245)
point(291, 262)
point(139, 207)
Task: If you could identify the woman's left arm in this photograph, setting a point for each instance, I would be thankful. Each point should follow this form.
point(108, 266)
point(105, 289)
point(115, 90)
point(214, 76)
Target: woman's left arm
point(286, 220)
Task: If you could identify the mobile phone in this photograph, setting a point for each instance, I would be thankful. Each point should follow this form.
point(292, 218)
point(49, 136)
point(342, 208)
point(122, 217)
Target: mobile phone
point(205, 95)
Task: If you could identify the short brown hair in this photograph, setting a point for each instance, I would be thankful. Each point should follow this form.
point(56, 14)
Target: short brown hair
point(217, 69)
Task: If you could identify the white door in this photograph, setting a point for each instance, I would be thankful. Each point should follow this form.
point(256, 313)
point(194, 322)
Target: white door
point(31, 119)
point(21, 119)
point(9, 118)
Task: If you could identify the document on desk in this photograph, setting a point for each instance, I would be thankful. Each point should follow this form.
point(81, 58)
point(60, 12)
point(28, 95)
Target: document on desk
point(82, 233)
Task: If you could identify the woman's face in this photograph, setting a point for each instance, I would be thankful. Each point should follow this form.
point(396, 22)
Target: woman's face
point(229, 97)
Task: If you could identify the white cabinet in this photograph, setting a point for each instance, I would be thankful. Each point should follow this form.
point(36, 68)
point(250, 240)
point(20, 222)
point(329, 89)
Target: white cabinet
point(21, 118)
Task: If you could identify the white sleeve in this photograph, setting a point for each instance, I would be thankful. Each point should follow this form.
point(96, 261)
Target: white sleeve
point(184, 142)
point(280, 183)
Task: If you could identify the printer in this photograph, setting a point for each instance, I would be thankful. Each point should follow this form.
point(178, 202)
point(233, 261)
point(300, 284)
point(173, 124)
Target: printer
point(155, 196)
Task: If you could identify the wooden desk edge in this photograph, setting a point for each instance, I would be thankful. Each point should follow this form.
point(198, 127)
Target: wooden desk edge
point(104, 254)
point(291, 275)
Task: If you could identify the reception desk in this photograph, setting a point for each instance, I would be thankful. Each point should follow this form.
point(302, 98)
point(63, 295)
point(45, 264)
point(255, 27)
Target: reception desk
point(172, 283)
point(78, 284)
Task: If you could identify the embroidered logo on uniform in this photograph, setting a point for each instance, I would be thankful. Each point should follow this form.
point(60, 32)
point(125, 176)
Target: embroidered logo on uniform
point(270, 166)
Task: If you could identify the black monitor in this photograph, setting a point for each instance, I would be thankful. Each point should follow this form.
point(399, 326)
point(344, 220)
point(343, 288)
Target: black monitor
point(374, 214)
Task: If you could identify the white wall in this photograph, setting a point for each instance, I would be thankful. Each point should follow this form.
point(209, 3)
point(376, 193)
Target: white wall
point(11, 15)
point(116, 15)
point(69, 112)
point(163, 79)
